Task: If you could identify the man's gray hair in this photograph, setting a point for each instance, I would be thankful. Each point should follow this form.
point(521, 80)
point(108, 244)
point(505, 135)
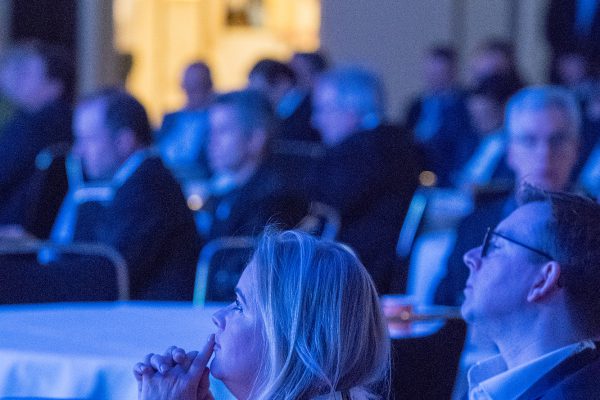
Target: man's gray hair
point(537, 98)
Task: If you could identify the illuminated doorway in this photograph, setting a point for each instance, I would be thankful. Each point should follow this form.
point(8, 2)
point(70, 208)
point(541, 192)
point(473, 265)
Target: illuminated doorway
point(163, 36)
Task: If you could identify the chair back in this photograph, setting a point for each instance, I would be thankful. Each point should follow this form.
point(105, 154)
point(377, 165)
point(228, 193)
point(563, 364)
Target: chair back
point(428, 235)
point(220, 266)
point(41, 272)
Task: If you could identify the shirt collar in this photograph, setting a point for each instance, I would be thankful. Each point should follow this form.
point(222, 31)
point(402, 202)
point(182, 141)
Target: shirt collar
point(490, 379)
point(130, 166)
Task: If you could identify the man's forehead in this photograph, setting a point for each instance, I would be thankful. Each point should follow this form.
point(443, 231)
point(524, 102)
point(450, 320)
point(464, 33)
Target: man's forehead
point(526, 219)
point(539, 121)
point(89, 114)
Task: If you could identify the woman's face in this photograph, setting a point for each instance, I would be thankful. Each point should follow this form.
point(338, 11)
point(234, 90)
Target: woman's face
point(238, 340)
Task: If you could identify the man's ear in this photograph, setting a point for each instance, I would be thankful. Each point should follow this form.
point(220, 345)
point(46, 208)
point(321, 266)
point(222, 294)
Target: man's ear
point(126, 142)
point(546, 282)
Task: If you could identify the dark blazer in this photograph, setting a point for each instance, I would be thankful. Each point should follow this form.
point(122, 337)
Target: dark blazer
point(370, 179)
point(561, 31)
point(576, 378)
point(149, 223)
point(470, 234)
point(246, 210)
point(298, 125)
point(21, 139)
point(453, 143)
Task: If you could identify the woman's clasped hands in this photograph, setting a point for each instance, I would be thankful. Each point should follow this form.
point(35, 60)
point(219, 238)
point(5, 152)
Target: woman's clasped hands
point(175, 374)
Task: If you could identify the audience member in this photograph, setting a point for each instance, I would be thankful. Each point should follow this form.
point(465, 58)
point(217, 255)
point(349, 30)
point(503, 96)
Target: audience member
point(533, 289)
point(542, 124)
point(38, 79)
point(574, 25)
point(183, 134)
point(292, 106)
point(589, 156)
point(246, 193)
point(307, 67)
point(369, 172)
point(438, 117)
point(306, 324)
point(486, 163)
point(145, 217)
point(495, 57)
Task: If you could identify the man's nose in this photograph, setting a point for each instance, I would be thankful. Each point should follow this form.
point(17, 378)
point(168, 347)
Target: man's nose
point(472, 258)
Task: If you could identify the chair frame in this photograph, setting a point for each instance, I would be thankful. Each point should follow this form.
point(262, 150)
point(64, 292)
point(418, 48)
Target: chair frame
point(41, 248)
point(206, 255)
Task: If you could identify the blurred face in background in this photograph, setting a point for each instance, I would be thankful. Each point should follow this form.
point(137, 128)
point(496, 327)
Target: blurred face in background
point(95, 144)
point(438, 73)
point(334, 121)
point(230, 143)
point(25, 82)
point(543, 147)
point(486, 113)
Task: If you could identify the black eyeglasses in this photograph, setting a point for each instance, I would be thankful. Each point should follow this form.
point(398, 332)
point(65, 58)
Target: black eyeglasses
point(488, 236)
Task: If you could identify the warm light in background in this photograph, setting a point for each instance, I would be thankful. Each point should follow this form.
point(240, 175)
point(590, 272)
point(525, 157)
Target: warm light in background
point(163, 36)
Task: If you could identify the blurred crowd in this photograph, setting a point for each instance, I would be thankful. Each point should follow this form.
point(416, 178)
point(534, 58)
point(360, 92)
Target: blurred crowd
point(302, 133)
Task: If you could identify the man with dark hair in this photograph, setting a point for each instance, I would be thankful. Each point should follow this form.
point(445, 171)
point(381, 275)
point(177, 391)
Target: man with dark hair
point(291, 104)
point(533, 290)
point(246, 193)
point(143, 213)
point(38, 79)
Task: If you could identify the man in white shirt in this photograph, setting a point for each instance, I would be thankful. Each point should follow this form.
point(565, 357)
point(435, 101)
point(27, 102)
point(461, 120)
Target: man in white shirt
point(533, 289)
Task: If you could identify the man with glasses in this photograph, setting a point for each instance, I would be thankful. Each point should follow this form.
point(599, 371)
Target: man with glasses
point(533, 290)
point(542, 125)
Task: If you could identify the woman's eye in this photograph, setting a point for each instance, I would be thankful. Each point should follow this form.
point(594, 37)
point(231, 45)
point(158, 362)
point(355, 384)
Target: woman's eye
point(238, 305)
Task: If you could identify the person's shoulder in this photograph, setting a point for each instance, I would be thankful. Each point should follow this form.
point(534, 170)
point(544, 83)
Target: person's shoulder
point(582, 384)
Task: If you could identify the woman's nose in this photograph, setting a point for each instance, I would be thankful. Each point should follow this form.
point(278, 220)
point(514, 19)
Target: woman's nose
point(218, 319)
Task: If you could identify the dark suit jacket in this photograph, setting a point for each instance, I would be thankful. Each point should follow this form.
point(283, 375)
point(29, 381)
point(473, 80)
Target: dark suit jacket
point(453, 143)
point(149, 223)
point(470, 234)
point(561, 32)
point(21, 139)
point(370, 179)
point(576, 378)
point(246, 210)
point(298, 125)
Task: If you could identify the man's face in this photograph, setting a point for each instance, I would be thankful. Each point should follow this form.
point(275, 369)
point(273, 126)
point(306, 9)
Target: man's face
point(542, 148)
point(333, 121)
point(94, 143)
point(438, 73)
point(25, 81)
point(229, 143)
point(499, 282)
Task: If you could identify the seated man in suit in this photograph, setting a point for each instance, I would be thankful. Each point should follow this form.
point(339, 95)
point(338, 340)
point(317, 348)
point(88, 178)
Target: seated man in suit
point(144, 216)
point(369, 171)
point(533, 289)
point(245, 193)
point(183, 134)
point(542, 124)
point(38, 79)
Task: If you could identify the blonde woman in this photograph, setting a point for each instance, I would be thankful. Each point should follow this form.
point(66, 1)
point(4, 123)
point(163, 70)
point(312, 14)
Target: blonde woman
point(306, 324)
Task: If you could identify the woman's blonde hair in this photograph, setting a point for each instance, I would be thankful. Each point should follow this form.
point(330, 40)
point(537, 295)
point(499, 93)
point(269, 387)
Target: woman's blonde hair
point(323, 327)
